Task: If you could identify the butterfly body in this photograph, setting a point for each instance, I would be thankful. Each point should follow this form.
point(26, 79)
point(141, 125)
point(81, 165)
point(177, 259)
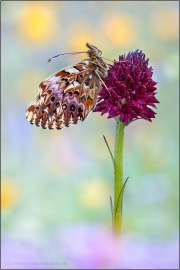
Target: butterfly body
point(68, 96)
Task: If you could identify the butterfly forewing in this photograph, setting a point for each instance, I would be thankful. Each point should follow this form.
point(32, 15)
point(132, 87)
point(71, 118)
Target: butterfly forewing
point(65, 98)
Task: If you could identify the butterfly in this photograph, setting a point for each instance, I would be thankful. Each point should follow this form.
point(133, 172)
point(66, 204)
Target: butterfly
point(69, 95)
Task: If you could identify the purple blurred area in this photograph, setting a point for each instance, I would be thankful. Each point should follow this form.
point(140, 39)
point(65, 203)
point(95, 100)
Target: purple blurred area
point(89, 247)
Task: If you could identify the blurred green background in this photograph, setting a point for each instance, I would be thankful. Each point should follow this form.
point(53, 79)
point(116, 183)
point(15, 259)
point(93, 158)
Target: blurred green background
point(56, 184)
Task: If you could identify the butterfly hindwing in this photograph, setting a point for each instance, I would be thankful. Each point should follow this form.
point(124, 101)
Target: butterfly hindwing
point(66, 97)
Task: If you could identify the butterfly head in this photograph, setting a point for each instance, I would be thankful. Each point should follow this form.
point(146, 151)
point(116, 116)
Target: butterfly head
point(96, 60)
point(93, 51)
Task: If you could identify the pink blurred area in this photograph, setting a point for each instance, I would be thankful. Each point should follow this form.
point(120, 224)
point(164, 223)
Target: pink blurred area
point(89, 247)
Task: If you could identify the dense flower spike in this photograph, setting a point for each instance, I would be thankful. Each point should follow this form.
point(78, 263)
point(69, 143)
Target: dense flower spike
point(131, 89)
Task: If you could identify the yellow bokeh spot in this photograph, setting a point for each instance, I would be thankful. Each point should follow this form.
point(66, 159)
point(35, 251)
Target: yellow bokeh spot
point(37, 23)
point(8, 194)
point(165, 23)
point(80, 42)
point(120, 30)
point(77, 39)
point(94, 193)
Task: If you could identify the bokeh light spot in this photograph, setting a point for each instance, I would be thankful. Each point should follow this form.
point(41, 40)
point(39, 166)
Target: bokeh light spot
point(165, 23)
point(37, 23)
point(120, 30)
point(78, 39)
point(8, 194)
point(94, 193)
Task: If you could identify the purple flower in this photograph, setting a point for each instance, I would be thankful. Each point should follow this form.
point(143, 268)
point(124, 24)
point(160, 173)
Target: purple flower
point(131, 89)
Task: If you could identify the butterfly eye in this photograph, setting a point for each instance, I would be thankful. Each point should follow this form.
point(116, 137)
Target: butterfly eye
point(81, 76)
point(53, 98)
point(64, 106)
point(72, 108)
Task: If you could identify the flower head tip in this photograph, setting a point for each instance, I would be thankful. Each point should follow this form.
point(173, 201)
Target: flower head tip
point(130, 89)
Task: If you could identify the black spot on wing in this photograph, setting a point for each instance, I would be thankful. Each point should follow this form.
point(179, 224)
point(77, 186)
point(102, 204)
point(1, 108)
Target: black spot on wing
point(66, 81)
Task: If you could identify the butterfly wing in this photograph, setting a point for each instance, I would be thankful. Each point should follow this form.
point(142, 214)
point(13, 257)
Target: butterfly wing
point(65, 98)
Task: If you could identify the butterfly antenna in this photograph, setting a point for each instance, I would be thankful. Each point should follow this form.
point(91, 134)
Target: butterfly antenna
point(63, 55)
point(107, 59)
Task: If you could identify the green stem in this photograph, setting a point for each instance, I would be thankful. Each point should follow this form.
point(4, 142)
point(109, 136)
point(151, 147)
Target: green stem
point(118, 176)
